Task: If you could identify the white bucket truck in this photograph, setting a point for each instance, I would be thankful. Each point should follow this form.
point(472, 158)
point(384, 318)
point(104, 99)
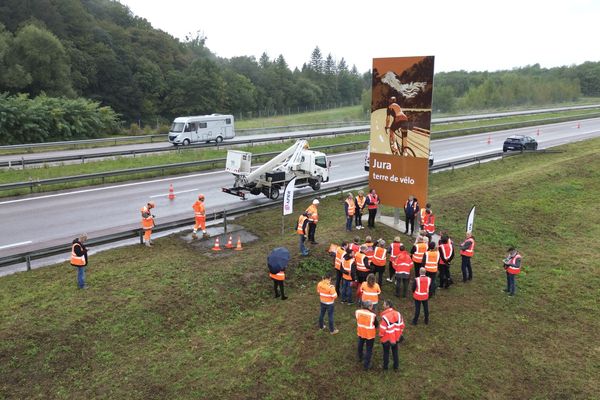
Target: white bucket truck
point(309, 167)
point(202, 128)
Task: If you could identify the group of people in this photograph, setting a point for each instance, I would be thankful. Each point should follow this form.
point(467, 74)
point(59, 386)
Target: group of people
point(354, 209)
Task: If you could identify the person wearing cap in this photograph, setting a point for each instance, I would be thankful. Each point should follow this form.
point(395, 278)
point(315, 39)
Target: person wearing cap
point(350, 210)
point(301, 230)
point(512, 266)
point(391, 327)
point(327, 295)
point(411, 209)
point(366, 330)
point(199, 217)
point(372, 205)
point(360, 203)
point(313, 219)
point(148, 222)
point(396, 120)
point(79, 259)
point(420, 290)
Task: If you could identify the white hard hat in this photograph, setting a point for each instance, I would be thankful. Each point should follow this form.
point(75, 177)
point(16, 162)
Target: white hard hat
point(315, 201)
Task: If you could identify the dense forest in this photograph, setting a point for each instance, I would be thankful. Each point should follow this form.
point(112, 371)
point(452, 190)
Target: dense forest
point(98, 50)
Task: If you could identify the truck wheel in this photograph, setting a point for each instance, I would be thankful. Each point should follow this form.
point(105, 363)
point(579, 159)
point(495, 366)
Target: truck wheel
point(186, 142)
point(315, 185)
point(255, 191)
point(219, 139)
point(273, 194)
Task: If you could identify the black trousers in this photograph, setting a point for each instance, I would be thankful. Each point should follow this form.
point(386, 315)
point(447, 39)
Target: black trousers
point(338, 280)
point(312, 227)
point(417, 268)
point(391, 270)
point(465, 266)
point(366, 358)
point(433, 284)
point(418, 310)
point(409, 221)
point(402, 279)
point(358, 217)
point(278, 285)
point(372, 213)
point(386, 354)
point(444, 275)
point(380, 271)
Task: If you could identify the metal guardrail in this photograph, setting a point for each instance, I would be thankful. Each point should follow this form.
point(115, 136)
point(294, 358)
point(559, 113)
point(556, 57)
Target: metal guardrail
point(27, 257)
point(132, 171)
point(22, 162)
point(258, 130)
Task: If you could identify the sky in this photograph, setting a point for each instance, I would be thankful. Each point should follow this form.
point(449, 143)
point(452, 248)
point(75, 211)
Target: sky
point(474, 35)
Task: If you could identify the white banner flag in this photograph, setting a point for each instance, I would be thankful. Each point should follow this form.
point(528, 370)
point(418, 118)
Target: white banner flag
point(288, 197)
point(471, 219)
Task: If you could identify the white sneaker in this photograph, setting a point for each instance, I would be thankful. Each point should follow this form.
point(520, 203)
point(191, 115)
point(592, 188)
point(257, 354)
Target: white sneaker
point(389, 280)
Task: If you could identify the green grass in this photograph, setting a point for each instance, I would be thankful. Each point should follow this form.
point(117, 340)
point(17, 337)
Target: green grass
point(177, 321)
point(182, 155)
point(342, 114)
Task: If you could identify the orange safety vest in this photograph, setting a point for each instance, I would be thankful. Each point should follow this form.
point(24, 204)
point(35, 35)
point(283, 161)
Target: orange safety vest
point(347, 269)
point(422, 290)
point(148, 221)
point(422, 215)
point(469, 251)
point(339, 256)
point(365, 324)
point(78, 261)
point(351, 207)
point(394, 250)
point(379, 256)
point(198, 208)
point(419, 252)
point(432, 258)
point(514, 270)
point(354, 247)
point(314, 217)
point(360, 262)
point(414, 205)
point(373, 200)
point(326, 292)
point(361, 200)
point(446, 250)
point(370, 293)
point(301, 220)
point(429, 223)
point(398, 113)
point(391, 326)
point(402, 264)
point(280, 276)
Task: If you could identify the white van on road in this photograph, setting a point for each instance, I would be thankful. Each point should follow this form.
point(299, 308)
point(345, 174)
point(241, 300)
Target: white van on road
point(203, 128)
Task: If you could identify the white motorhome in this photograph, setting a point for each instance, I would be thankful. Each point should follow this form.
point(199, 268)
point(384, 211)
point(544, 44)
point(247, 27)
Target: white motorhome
point(203, 128)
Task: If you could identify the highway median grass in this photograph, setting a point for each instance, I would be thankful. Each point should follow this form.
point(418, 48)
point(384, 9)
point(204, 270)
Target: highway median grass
point(176, 321)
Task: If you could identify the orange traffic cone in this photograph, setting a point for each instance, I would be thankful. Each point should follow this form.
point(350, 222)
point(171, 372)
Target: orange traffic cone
point(229, 244)
point(239, 244)
point(578, 125)
point(171, 193)
point(489, 141)
point(538, 132)
point(216, 247)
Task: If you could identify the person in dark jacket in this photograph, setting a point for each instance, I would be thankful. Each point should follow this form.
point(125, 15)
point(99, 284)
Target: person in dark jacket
point(79, 259)
point(411, 209)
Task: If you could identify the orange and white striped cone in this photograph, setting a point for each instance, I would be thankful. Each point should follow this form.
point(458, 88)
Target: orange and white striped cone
point(171, 192)
point(489, 141)
point(229, 244)
point(216, 247)
point(239, 245)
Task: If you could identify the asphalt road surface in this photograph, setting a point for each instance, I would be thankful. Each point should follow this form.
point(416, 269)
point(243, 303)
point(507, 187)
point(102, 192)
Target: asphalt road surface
point(39, 221)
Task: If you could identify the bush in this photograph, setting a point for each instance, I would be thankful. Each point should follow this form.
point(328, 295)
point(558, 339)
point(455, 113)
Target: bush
point(46, 119)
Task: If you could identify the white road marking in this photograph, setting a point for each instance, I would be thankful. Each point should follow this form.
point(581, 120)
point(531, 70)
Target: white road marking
point(15, 245)
point(167, 194)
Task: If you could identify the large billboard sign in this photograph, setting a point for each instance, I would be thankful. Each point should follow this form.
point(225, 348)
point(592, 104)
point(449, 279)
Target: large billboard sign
point(400, 128)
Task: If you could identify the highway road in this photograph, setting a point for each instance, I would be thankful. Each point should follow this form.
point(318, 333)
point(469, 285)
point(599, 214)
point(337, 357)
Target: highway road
point(39, 221)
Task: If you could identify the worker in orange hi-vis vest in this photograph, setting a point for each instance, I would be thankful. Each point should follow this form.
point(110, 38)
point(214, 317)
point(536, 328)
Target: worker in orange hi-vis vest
point(337, 264)
point(422, 214)
point(390, 332)
point(350, 210)
point(313, 219)
point(360, 202)
point(366, 330)
point(467, 250)
point(429, 226)
point(421, 295)
point(393, 250)
point(372, 205)
point(327, 295)
point(379, 260)
point(512, 266)
point(148, 222)
point(402, 265)
point(199, 217)
point(370, 290)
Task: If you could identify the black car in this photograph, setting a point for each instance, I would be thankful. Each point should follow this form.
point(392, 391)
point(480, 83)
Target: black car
point(519, 142)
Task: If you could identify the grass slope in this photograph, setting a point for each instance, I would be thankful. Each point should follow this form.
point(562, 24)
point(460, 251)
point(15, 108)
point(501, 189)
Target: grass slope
point(179, 322)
